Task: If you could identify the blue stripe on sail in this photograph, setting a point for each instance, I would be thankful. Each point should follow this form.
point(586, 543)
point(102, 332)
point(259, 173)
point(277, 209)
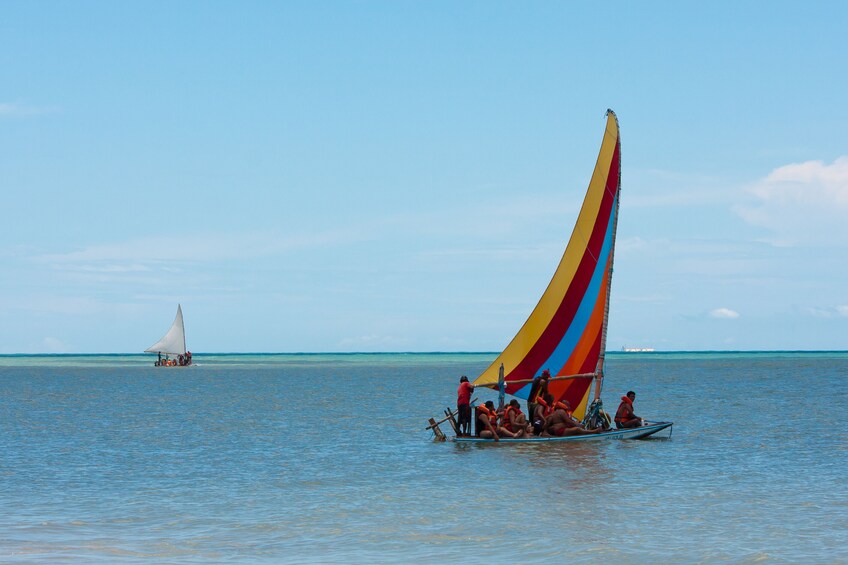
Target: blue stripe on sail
point(581, 318)
point(523, 392)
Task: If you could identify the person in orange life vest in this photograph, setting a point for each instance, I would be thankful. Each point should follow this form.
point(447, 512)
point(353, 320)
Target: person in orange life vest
point(541, 409)
point(538, 389)
point(487, 421)
point(463, 406)
point(624, 416)
point(562, 423)
point(514, 420)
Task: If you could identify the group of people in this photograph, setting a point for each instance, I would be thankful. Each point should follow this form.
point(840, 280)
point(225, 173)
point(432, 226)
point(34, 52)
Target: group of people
point(180, 361)
point(547, 417)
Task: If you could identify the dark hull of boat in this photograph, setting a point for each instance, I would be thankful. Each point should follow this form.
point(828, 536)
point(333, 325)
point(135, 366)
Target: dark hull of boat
point(648, 429)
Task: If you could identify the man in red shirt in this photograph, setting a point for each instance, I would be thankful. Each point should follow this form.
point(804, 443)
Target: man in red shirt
point(463, 406)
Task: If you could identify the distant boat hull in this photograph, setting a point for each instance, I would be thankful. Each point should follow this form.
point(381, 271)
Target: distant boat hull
point(629, 433)
point(174, 364)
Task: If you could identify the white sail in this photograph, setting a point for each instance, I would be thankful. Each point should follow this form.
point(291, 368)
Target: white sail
point(174, 341)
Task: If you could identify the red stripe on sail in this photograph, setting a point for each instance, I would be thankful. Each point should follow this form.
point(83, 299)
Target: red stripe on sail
point(562, 318)
point(584, 353)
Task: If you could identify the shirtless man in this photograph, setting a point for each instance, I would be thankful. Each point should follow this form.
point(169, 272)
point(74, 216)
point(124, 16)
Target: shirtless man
point(560, 423)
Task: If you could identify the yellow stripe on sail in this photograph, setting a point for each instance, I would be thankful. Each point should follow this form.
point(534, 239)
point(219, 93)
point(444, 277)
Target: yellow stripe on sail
point(580, 411)
point(553, 296)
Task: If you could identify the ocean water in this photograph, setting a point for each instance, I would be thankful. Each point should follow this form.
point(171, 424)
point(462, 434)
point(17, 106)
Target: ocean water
point(325, 459)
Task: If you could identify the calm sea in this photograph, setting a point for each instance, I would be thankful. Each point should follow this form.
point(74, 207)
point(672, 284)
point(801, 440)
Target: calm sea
point(324, 458)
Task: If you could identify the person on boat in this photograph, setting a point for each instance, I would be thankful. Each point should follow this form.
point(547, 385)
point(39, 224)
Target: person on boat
point(514, 421)
point(486, 425)
point(538, 389)
point(541, 410)
point(463, 406)
point(561, 423)
point(624, 416)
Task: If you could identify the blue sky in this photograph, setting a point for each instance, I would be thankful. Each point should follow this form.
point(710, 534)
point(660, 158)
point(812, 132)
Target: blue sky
point(403, 176)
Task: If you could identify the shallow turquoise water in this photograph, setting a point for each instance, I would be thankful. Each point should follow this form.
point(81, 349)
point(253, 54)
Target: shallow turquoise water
point(324, 458)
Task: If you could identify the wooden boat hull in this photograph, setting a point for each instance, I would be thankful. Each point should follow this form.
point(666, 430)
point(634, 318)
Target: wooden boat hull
point(649, 429)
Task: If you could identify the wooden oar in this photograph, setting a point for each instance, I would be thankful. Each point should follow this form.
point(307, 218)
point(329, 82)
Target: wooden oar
point(446, 418)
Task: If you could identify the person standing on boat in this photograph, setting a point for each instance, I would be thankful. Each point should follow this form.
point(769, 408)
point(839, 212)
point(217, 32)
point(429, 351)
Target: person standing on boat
point(624, 416)
point(541, 411)
point(463, 406)
point(538, 389)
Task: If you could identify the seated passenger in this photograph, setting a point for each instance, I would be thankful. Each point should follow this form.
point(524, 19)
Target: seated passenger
point(561, 423)
point(624, 416)
point(514, 421)
point(486, 424)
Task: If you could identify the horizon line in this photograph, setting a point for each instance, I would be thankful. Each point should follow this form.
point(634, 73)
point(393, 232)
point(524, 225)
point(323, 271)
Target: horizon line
point(612, 351)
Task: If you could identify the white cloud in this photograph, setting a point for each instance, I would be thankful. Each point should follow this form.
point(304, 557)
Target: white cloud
point(20, 110)
point(373, 342)
point(829, 312)
point(628, 244)
point(53, 345)
point(136, 255)
point(724, 313)
point(653, 188)
point(802, 203)
point(45, 304)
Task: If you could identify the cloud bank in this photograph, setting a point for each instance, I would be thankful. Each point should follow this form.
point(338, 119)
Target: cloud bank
point(20, 110)
point(802, 204)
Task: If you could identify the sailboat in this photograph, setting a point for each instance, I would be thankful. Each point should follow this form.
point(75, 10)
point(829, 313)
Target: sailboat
point(566, 332)
point(172, 343)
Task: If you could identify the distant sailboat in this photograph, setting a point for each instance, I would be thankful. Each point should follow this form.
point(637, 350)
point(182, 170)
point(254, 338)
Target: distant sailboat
point(566, 331)
point(173, 343)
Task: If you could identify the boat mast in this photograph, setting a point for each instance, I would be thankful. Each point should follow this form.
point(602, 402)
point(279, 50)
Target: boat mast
point(599, 371)
point(182, 323)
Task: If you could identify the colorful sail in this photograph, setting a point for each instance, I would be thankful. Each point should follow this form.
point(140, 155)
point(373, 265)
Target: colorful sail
point(566, 331)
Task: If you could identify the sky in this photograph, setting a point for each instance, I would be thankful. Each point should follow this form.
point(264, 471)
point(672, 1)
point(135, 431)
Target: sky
point(404, 176)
